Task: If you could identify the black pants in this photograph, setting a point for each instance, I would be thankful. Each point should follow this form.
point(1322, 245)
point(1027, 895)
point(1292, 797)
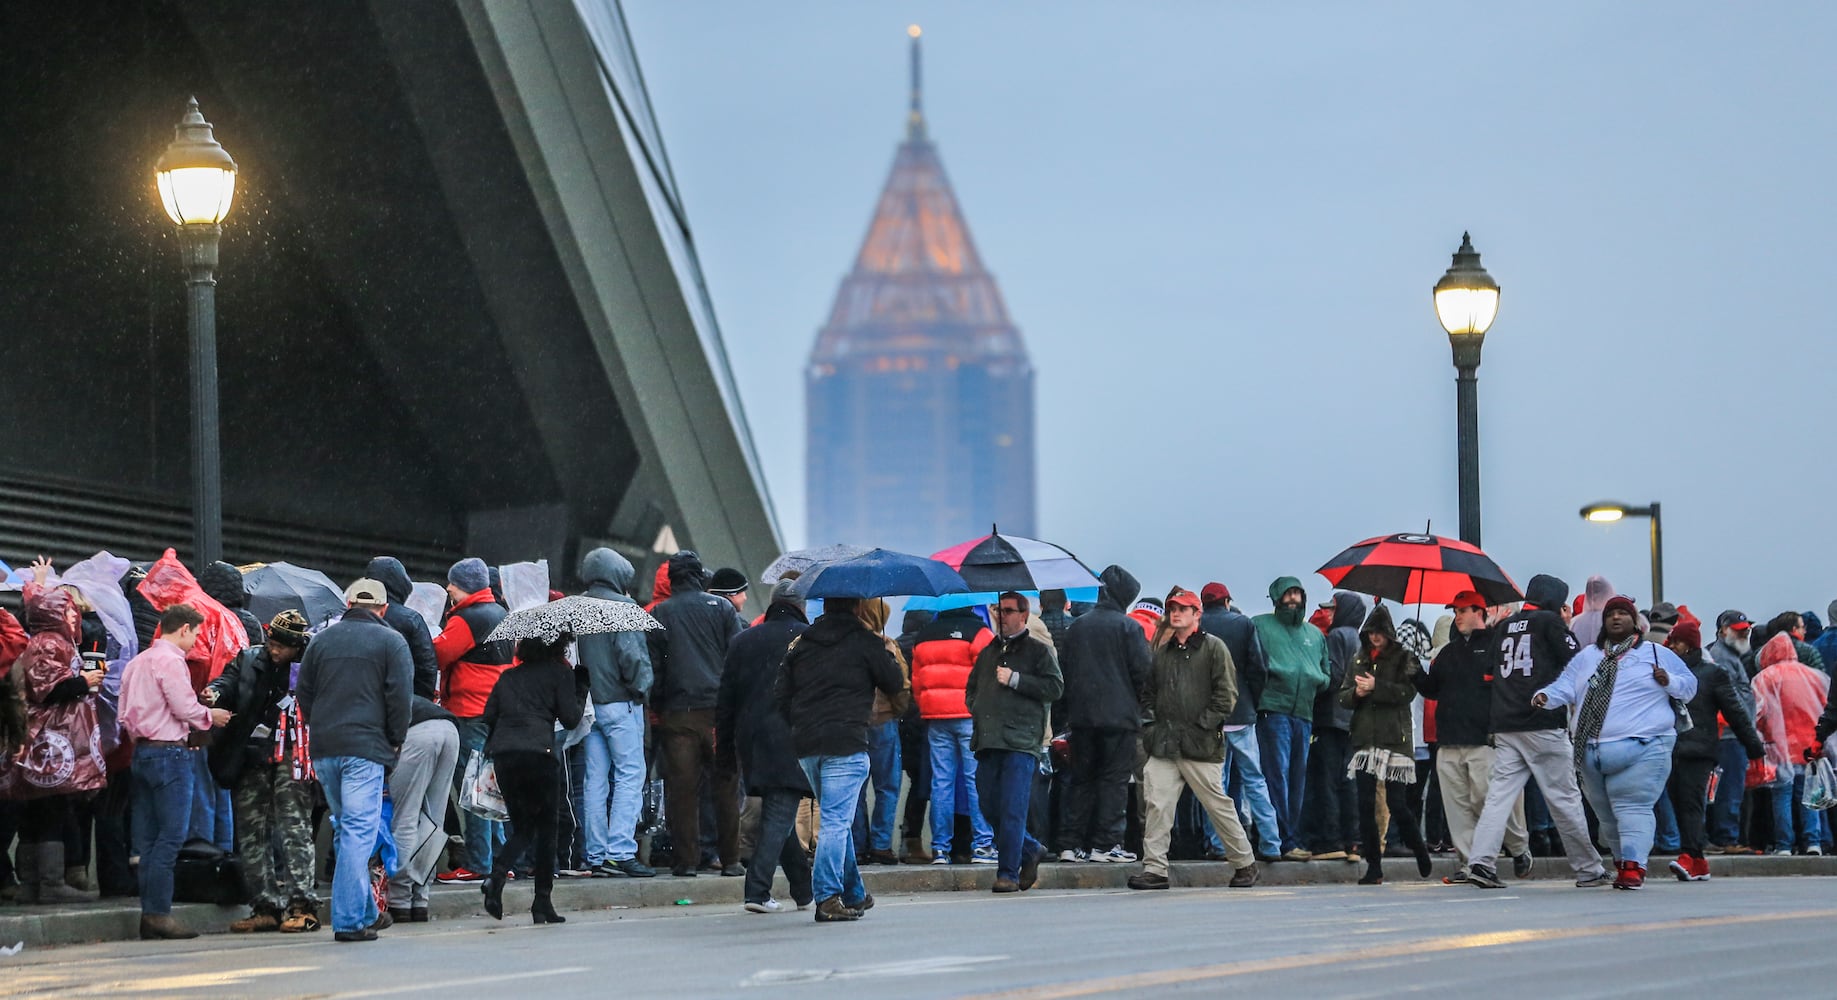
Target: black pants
point(915, 760)
point(531, 784)
point(778, 846)
point(1102, 761)
point(113, 823)
point(44, 820)
point(1330, 815)
point(1397, 793)
point(1689, 786)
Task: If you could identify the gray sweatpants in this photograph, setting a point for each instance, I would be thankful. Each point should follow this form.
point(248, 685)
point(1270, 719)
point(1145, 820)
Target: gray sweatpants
point(1545, 754)
point(418, 789)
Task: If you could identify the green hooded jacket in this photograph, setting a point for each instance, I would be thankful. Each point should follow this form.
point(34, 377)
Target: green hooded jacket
point(1295, 654)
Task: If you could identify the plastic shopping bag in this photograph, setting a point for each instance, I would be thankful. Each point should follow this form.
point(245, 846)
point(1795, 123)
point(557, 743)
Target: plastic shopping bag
point(1820, 784)
point(480, 795)
point(579, 732)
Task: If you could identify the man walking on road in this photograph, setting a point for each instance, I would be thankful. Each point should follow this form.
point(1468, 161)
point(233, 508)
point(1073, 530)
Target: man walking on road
point(1533, 646)
point(1010, 692)
point(1296, 655)
point(355, 689)
point(1190, 692)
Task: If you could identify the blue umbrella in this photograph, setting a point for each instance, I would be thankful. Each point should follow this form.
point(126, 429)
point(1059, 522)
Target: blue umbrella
point(1073, 594)
point(881, 573)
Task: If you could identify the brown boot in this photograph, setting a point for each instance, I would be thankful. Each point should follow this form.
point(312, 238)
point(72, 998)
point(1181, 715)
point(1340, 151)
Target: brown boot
point(256, 923)
point(917, 851)
point(162, 927)
point(299, 920)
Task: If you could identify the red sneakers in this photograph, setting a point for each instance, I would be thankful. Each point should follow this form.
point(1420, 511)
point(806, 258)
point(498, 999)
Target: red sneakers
point(1632, 875)
point(458, 876)
point(1691, 868)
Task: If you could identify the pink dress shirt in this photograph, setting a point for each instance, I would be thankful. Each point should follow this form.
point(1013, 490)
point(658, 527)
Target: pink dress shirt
point(157, 702)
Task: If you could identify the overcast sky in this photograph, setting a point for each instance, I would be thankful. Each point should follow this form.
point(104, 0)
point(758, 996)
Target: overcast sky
point(1217, 226)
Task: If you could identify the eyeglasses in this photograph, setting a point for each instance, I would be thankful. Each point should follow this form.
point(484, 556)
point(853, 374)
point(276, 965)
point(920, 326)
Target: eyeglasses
point(1007, 611)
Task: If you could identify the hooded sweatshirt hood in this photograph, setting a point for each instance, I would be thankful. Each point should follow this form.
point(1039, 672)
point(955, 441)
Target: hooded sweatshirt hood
point(1349, 610)
point(1548, 593)
point(604, 565)
point(1120, 588)
point(223, 583)
point(388, 571)
point(1778, 649)
point(686, 573)
point(1379, 622)
point(1282, 586)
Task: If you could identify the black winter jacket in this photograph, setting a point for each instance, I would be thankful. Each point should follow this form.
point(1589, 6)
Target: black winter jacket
point(1715, 693)
point(749, 731)
point(249, 687)
point(686, 655)
point(1343, 646)
point(826, 689)
point(1240, 637)
point(1106, 659)
point(1533, 647)
point(1460, 682)
point(388, 571)
point(528, 700)
point(355, 689)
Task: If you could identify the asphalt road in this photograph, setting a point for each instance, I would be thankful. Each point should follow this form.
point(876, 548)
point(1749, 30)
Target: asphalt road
point(1730, 937)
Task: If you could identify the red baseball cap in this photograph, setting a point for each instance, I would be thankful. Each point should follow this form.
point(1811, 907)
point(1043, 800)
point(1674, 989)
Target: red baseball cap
point(1186, 597)
point(1214, 592)
point(1467, 599)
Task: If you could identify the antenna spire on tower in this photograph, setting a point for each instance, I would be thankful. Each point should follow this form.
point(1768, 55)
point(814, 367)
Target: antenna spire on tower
point(915, 115)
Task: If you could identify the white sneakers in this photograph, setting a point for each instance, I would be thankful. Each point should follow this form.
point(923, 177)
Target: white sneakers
point(769, 906)
point(942, 859)
point(985, 856)
point(1115, 855)
point(1071, 856)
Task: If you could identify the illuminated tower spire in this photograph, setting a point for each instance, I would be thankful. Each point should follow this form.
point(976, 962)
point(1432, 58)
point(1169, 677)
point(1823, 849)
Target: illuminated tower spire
point(915, 116)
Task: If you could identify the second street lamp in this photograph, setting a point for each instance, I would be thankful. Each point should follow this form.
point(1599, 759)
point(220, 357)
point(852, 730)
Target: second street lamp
point(1607, 512)
point(197, 181)
point(1466, 302)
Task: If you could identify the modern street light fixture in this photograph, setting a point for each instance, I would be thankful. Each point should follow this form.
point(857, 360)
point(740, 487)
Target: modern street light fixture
point(197, 182)
point(1608, 511)
point(1466, 302)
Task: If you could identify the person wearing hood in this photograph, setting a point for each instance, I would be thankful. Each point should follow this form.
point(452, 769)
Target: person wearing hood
point(1623, 729)
point(1793, 624)
point(619, 669)
point(941, 660)
point(1295, 654)
point(1330, 820)
point(1694, 758)
point(469, 671)
point(1585, 625)
point(1459, 680)
point(1790, 697)
point(826, 693)
point(1010, 693)
point(1379, 686)
point(1104, 668)
point(388, 571)
point(914, 751)
point(1531, 648)
point(1244, 765)
point(223, 584)
point(686, 658)
point(752, 736)
point(262, 758)
point(1730, 651)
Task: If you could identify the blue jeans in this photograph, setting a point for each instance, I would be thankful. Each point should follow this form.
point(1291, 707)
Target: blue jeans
point(1244, 783)
point(615, 781)
point(1665, 836)
point(1004, 786)
point(354, 794)
point(483, 836)
point(1283, 744)
point(836, 783)
point(163, 784)
point(1725, 808)
point(1622, 779)
point(212, 808)
point(883, 774)
point(953, 771)
point(1787, 794)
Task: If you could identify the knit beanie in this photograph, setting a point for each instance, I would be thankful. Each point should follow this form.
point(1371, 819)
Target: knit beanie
point(289, 629)
point(469, 575)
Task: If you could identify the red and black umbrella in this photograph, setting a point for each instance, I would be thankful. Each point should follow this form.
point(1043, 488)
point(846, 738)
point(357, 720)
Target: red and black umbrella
point(1419, 569)
point(997, 562)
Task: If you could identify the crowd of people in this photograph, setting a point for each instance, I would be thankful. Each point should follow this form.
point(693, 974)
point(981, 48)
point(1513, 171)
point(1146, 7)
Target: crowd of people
point(150, 721)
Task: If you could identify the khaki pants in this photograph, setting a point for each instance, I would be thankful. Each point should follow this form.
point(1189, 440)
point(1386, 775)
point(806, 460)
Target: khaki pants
point(1543, 754)
point(1464, 774)
point(1161, 784)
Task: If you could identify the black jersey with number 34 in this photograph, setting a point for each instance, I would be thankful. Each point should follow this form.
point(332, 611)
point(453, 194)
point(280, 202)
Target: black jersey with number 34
point(1533, 648)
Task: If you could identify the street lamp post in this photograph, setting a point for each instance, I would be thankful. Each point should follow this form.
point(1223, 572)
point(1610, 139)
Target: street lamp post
point(1466, 302)
point(197, 181)
point(1608, 511)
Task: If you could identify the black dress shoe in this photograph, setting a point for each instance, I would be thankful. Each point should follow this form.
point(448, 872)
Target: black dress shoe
point(401, 916)
point(417, 915)
point(683, 872)
point(364, 935)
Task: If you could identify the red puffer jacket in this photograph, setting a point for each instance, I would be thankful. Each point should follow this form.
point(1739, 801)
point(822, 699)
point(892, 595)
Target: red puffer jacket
point(945, 650)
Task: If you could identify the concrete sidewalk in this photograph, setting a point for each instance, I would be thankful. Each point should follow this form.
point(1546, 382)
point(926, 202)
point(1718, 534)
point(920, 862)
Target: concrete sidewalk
point(119, 919)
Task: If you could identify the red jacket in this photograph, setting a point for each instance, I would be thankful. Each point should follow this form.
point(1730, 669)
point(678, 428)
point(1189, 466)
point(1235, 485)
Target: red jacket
point(942, 656)
point(469, 667)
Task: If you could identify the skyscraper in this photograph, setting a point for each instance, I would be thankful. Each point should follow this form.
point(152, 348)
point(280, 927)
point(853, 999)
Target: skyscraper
point(919, 393)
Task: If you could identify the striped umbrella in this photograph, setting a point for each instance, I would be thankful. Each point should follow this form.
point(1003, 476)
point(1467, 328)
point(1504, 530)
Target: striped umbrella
point(997, 562)
point(1419, 569)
